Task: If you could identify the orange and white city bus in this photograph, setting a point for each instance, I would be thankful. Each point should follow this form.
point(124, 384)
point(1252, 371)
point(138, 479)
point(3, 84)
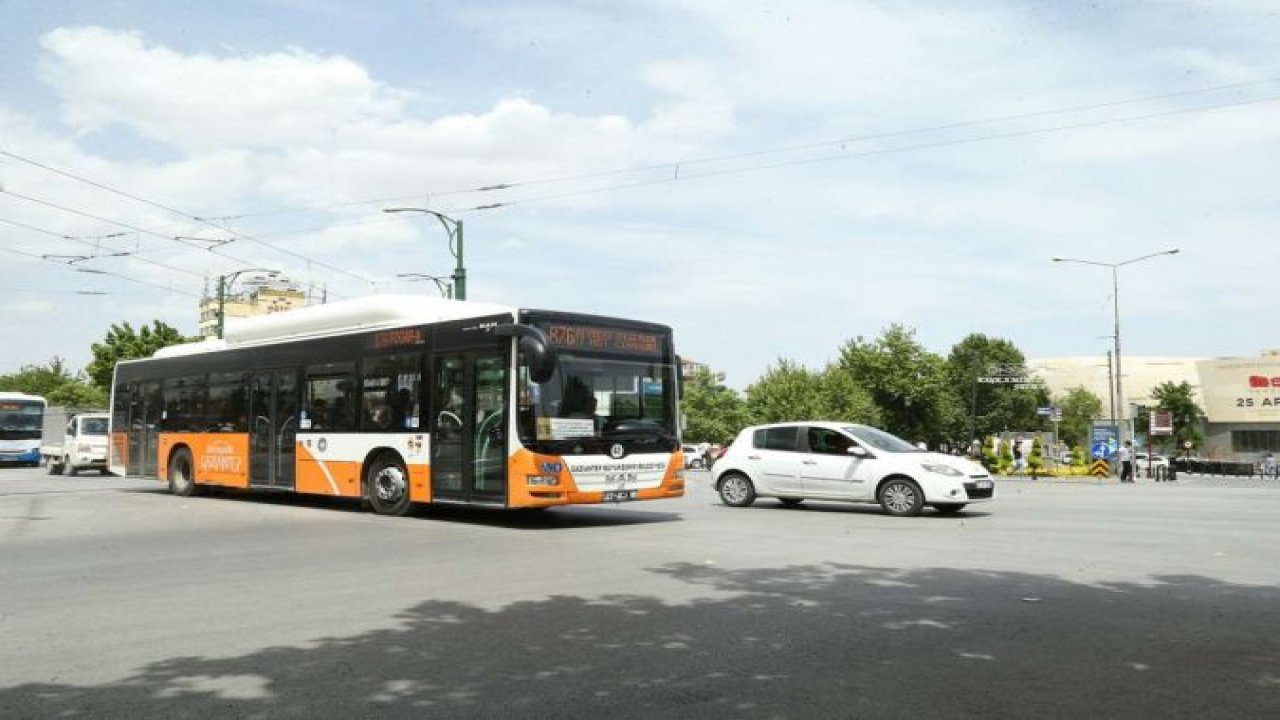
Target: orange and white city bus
point(398, 400)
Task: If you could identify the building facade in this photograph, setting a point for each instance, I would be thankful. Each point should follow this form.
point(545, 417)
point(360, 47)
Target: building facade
point(1240, 397)
point(263, 299)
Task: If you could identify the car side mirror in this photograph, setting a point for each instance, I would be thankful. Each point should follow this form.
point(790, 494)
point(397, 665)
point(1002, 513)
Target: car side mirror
point(858, 451)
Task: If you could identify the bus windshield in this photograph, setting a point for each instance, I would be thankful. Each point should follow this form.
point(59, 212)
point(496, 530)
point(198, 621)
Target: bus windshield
point(593, 397)
point(20, 419)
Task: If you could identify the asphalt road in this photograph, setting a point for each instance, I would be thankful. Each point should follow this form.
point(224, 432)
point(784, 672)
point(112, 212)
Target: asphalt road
point(1055, 601)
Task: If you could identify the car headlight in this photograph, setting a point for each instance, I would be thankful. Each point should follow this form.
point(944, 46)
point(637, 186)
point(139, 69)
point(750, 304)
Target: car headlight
point(942, 470)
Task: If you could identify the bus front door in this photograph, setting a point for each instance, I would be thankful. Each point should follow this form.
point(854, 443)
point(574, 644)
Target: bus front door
point(273, 405)
point(468, 426)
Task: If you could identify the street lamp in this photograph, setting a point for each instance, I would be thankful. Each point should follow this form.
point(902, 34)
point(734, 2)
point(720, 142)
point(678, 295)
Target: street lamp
point(1115, 296)
point(454, 228)
point(224, 286)
point(446, 289)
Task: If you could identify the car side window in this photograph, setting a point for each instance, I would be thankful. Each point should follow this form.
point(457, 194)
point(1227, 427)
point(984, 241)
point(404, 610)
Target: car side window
point(782, 438)
point(827, 442)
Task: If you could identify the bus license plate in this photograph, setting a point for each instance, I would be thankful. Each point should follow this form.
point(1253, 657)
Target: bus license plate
point(619, 495)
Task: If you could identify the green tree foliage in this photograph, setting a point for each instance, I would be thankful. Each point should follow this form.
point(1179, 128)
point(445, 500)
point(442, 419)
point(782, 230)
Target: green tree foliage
point(989, 459)
point(909, 384)
point(1035, 461)
point(989, 408)
point(789, 391)
point(57, 384)
point(1005, 464)
point(1079, 409)
point(1180, 400)
point(124, 343)
point(713, 413)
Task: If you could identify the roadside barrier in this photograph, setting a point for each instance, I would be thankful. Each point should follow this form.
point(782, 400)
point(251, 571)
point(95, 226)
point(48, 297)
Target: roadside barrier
point(1224, 468)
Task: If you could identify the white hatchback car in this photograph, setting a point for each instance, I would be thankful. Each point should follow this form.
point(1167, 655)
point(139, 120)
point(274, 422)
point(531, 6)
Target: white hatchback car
point(842, 461)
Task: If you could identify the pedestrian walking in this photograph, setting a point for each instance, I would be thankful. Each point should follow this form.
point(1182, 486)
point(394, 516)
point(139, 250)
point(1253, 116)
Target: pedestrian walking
point(1125, 454)
point(1018, 462)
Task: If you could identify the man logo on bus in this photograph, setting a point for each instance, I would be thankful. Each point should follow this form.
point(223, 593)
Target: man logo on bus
point(617, 451)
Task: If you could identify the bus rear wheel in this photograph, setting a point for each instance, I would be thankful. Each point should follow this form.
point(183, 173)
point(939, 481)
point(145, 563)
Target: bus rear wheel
point(387, 486)
point(181, 480)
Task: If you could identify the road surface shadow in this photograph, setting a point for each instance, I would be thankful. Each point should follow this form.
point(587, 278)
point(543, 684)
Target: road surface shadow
point(804, 641)
point(573, 516)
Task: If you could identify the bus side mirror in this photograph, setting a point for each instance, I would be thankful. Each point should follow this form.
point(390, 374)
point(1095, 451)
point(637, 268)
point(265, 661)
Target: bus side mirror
point(536, 348)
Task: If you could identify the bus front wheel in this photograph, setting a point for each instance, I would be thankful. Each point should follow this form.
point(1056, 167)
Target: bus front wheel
point(181, 481)
point(387, 487)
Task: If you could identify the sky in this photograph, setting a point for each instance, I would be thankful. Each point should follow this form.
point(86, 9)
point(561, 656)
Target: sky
point(769, 179)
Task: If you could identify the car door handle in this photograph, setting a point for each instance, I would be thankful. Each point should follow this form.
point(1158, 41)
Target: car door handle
point(753, 457)
point(810, 462)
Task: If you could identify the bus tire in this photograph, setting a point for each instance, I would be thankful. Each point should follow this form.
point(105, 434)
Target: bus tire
point(386, 486)
point(181, 480)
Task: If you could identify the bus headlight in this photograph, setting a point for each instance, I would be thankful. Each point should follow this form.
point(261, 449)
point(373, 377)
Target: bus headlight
point(541, 480)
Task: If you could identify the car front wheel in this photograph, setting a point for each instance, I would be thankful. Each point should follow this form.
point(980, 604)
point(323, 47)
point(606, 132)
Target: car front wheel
point(901, 497)
point(736, 490)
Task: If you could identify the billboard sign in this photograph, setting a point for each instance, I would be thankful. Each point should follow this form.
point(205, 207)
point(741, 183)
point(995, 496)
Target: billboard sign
point(1104, 441)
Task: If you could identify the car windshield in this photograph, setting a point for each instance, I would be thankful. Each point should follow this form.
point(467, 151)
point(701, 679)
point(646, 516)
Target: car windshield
point(880, 440)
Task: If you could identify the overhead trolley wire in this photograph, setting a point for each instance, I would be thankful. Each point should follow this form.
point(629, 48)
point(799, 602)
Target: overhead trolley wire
point(166, 208)
point(499, 186)
point(675, 177)
point(96, 271)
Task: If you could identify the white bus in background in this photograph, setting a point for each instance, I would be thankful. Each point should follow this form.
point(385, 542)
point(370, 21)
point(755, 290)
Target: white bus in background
point(21, 420)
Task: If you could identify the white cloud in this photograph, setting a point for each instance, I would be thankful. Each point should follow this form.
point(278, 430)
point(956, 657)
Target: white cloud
point(202, 102)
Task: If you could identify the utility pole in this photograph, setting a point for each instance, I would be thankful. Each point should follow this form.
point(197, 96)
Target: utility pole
point(453, 227)
point(1111, 388)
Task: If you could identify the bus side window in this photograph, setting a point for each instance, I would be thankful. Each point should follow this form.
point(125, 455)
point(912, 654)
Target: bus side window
point(328, 403)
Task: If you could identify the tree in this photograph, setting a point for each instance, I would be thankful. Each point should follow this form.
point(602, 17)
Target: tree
point(123, 343)
point(909, 384)
point(57, 384)
point(1079, 409)
point(1005, 463)
point(1035, 461)
point(713, 413)
point(1180, 400)
point(988, 408)
point(789, 391)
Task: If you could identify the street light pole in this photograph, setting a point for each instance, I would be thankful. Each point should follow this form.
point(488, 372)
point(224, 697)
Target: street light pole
point(453, 227)
point(224, 286)
point(1115, 297)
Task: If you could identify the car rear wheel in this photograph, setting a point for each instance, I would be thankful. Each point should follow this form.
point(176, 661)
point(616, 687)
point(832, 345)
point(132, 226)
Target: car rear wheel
point(736, 490)
point(901, 497)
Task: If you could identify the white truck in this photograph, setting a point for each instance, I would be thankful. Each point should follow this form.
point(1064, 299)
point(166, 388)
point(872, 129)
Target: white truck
point(74, 440)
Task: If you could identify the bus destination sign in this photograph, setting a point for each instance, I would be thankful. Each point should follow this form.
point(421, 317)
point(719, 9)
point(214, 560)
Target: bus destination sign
point(398, 338)
point(581, 337)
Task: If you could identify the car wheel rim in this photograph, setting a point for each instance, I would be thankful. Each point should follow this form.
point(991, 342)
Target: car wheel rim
point(735, 490)
point(899, 498)
point(389, 484)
